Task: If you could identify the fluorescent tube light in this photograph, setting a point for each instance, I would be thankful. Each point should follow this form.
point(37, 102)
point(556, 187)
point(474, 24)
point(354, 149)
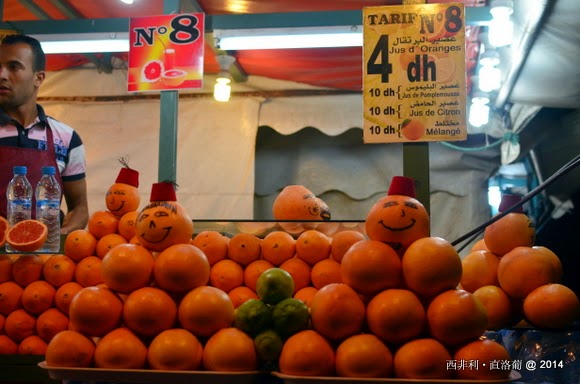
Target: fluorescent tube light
point(279, 38)
point(84, 43)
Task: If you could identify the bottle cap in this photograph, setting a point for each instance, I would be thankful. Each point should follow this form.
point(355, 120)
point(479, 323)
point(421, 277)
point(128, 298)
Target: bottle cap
point(401, 185)
point(48, 170)
point(164, 191)
point(128, 176)
point(20, 170)
point(508, 201)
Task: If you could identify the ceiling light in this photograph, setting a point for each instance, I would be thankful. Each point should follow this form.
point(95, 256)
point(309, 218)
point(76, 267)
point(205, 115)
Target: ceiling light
point(479, 110)
point(501, 27)
point(127, 1)
point(280, 38)
point(84, 42)
point(222, 89)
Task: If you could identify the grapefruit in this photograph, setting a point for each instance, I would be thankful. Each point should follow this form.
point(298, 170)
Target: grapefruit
point(27, 235)
point(3, 230)
point(152, 71)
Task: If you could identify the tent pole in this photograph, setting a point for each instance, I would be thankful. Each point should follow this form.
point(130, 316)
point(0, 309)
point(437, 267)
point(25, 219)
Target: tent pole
point(167, 170)
point(416, 157)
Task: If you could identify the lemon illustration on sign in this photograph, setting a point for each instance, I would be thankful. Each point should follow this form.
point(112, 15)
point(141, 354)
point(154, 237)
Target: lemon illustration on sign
point(413, 129)
point(268, 346)
point(274, 285)
point(290, 316)
point(253, 317)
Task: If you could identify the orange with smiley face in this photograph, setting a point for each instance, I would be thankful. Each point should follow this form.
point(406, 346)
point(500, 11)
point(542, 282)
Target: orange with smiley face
point(163, 222)
point(123, 196)
point(398, 219)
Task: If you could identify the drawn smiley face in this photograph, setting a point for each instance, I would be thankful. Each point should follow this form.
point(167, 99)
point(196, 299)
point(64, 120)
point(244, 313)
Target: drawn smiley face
point(397, 220)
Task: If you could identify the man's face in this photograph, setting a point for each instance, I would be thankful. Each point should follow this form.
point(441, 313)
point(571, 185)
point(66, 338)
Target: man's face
point(18, 81)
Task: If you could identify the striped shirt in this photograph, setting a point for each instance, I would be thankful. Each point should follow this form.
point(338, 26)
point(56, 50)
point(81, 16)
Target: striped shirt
point(69, 148)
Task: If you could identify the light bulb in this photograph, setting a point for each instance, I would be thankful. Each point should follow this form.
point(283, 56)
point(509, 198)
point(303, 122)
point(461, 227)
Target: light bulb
point(501, 27)
point(222, 89)
point(127, 1)
point(489, 78)
point(479, 111)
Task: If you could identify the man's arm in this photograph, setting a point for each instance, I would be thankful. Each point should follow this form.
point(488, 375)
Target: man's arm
point(75, 194)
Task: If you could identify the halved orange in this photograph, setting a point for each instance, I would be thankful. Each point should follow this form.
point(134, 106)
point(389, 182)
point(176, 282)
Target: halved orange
point(3, 230)
point(27, 235)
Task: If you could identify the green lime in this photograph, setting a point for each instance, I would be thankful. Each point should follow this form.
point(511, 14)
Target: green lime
point(290, 316)
point(274, 285)
point(253, 317)
point(268, 346)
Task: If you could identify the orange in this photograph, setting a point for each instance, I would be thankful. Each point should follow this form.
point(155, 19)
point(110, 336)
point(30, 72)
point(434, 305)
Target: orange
point(32, 345)
point(337, 311)
point(8, 346)
point(4, 226)
point(70, 349)
point(26, 269)
point(95, 311)
point(253, 271)
point(300, 272)
point(19, 325)
point(479, 245)
point(307, 353)
point(107, 242)
point(369, 266)
point(430, 266)
point(127, 267)
point(479, 269)
point(488, 355)
point(122, 198)
point(79, 244)
point(5, 267)
point(38, 296)
point(312, 246)
point(126, 226)
point(325, 272)
point(2, 321)
point(413, 129)
point(455, 317)
point(102, 223)
point(342, 241)
point(175, 350)
point(295, 202)
point(205, 310)
point(396, 316)
point(244, 248)
point(213, 244)
point(364, 355)
point(10, 297)
point(277, 247)
point(226, 275)
point(240, 295)
point(552, 258)
point(89, 271)
point(51, 322)
point(511, 231)
point(552, 306)
point(524, 269)
point(424, 358)
point(120, 349)
point(64, 294)
point(306, 295)
point(502, 311)
point(180, 268)
point(230, 350)
point(27, 235)
point(149, 311)
point(58, 269)
point(397, 220)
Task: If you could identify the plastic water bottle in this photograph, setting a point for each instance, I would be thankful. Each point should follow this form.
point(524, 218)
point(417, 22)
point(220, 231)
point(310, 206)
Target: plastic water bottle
point(47, 195)
point(19, 199)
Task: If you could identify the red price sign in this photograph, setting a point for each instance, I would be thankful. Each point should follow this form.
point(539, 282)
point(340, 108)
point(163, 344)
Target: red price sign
point(414, 73)
point(166, 52)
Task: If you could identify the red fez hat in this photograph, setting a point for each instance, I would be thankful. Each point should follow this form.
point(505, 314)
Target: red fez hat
point(508, 201)
point(164, 191)
point(401, 185)
point(128, 176)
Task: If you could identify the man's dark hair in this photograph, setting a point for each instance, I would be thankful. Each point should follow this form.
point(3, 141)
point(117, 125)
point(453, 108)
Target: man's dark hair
point(38, 56)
